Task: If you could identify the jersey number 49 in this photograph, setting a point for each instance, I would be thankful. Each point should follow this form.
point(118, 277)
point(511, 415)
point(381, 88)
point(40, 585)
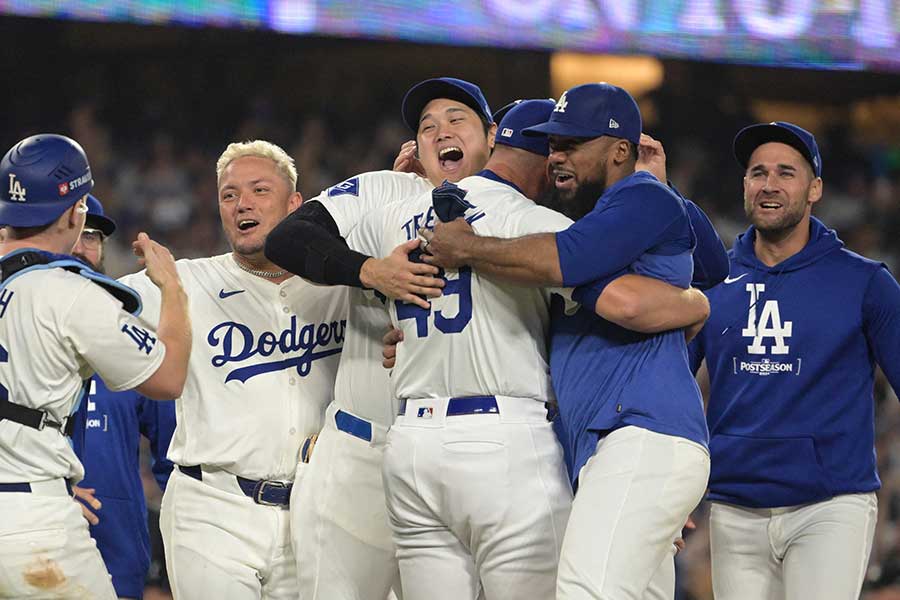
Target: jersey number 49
point(462, 288)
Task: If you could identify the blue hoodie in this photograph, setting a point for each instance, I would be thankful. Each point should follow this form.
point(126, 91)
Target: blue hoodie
point(791, 353)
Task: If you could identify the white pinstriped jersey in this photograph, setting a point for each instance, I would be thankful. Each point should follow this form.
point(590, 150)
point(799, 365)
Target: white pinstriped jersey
point(56, 329)
point(481, 336)
point(262, 366)
point(363, 385)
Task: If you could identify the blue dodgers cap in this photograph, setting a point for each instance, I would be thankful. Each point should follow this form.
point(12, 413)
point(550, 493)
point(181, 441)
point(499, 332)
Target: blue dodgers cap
point(40, 178)
point(591, 110)
point(419, 95)
point(520, 116)
point(96, 218)
point(750, 138)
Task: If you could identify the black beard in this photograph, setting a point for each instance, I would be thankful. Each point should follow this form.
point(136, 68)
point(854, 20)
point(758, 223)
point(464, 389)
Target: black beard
point(581, 203)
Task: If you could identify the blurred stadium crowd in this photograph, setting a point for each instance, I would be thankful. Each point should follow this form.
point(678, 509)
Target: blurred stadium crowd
point(162, 180)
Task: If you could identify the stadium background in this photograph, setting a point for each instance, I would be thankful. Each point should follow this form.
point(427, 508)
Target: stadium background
point(155, 89)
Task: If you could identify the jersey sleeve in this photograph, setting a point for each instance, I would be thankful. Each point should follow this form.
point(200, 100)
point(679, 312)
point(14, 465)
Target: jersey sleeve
point(349, 201)
point(710, 259)
point(617, 232)
point(123, 350)
point(151, 298)
point(368, 235)
point(881, 323)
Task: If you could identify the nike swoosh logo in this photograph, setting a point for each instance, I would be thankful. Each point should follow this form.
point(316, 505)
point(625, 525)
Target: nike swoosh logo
point(733, 279)
point(223, 294)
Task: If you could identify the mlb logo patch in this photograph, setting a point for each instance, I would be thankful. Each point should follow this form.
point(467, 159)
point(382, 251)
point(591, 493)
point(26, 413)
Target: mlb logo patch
point(426, 412)
point(349, 187)
point(63, 189)
point(507, 132)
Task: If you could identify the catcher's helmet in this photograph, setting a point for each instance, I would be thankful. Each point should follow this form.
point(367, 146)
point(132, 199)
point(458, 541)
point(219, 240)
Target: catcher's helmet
point(41, 177)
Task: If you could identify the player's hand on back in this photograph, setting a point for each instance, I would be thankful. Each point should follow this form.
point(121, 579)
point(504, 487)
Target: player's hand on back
point(85, 498)
point(389, 352)
point(447, 245)
point(397, 277)
point(158, 261)
point(407, 161)
point(651, 158)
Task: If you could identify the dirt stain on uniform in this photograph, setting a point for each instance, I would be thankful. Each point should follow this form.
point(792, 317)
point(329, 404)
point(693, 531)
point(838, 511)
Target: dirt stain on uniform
point(44, 574)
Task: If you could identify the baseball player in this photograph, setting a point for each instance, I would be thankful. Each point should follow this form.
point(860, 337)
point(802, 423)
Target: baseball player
point(109, 426)
point(791, 347)
point(60, 322)
point(342, 537)
point(261, 374)
point(637, 443)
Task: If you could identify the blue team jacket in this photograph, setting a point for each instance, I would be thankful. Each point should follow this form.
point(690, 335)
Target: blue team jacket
point(791, 352)
point(607, 377)
point(112, 423)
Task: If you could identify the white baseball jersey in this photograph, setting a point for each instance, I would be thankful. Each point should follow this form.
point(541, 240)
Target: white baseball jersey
point(262, 366)
point(482, 336)
point(363, 385)
point(56, 329)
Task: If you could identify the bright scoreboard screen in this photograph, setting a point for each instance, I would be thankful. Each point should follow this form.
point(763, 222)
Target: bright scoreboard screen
point(828, 34)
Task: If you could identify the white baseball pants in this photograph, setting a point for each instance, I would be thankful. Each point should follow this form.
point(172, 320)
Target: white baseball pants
point(476, 501)
point(45, 548)
point(634, 496)
point(339, 523)
point(223, 545)
point(818, 550)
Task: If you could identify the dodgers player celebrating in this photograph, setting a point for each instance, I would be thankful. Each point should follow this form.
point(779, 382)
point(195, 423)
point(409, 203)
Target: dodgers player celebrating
point(261, 373)
point(485, 500)
point(60, 321)
point(636, 442)
point(791, 348)
point(342, 538)
point(109, 426)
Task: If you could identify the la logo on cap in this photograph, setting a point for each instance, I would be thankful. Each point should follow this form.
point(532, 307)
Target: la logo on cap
point(561, 104)
point(16, 191)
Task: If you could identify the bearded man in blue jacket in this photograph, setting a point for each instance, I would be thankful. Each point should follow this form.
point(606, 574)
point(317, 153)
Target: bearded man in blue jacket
point(791, 346)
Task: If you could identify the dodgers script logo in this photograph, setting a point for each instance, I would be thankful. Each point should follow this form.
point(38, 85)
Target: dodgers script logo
point(239, 343)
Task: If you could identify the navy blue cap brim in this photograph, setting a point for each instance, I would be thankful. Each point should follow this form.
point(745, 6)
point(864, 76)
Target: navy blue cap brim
point(16, 214)
point(104, 224)
point(561, 128)
point(750, 138)
point(418, 97)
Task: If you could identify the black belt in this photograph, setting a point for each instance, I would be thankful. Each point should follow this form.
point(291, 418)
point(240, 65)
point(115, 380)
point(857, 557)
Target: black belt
point(263, 491)
point(34, 418)
point(26, 487)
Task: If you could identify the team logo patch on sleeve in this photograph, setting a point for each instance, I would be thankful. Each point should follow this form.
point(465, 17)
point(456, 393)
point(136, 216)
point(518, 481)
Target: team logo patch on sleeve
point(349, 187)
point(141, 337)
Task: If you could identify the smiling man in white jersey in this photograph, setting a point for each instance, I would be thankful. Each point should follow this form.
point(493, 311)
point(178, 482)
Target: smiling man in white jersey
point(262, 371)
point(60, 322)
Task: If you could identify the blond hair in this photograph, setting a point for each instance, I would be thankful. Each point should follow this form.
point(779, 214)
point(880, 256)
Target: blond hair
point(262, 149)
